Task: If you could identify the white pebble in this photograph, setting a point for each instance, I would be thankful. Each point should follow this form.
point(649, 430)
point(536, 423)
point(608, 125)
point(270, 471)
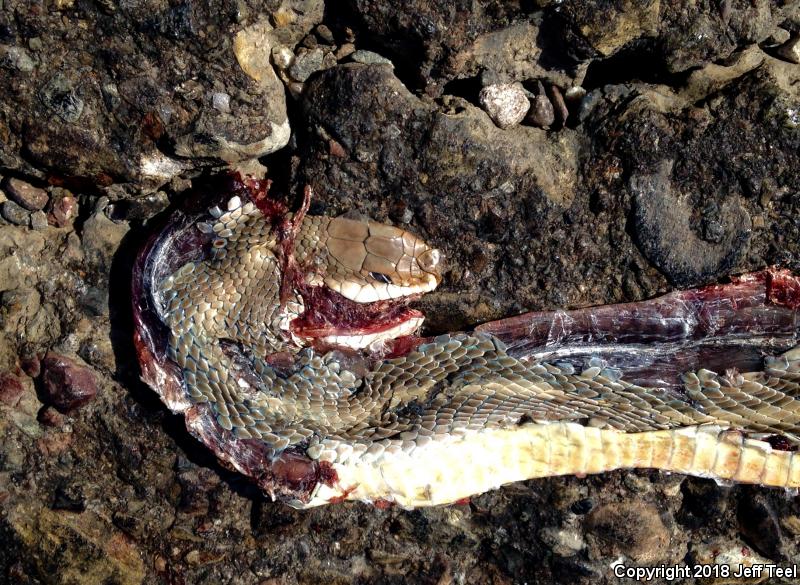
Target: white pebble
point(505, 103)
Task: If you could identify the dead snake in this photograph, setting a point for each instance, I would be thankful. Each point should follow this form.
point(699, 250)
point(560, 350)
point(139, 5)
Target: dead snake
point(287, 341)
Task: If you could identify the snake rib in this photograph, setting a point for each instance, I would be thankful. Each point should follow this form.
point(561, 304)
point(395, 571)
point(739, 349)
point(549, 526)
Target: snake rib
point(287, 341)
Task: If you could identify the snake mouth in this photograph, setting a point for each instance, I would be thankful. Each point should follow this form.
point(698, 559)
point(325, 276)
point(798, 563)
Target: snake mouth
point(332, 319)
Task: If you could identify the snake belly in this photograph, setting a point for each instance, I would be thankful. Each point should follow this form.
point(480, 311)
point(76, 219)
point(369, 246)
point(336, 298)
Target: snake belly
point(289, 345)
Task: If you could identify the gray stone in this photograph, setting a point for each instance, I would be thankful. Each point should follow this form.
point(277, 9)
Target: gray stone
point(18, 58)
point(100, 240)
point(62, 99)
point(221, 102)
point(306, 64)
point(39, 220)
point(370, 58)
point(15, 213)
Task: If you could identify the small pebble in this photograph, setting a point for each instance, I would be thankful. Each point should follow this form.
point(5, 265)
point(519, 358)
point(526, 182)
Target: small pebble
point(66, 385)
point(282, 57)
point(14, 213)
point(345, 50)
point(310, 42)
point(336, 149)
point(306, 64)
point(541, 113)
point(505, 103)
point(64, 211)
point(324, 33)
point(221, 102)
point(20, 59)
point(30, 197)
point(38, 220)
point(564, 542)
point(328, 61)
point(370, 58)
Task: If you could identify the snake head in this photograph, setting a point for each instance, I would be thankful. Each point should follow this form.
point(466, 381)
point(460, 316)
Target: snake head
point(369, 273)
point(370, 261)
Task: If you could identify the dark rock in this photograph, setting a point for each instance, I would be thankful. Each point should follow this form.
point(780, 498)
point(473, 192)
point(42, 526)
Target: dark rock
point(94, 112)
point(703, 501)
point(15, 213)
point(454, 152)
point(85, 546)
point(583, 506)
point(18, 57)
point(67, 498)
point(65, 384)
point(10, 388)
point(676, 36)
point(760, 526)
point(30, 197)
point(254, 123)
point(32, 366)
point(710, 32)
point(663, 227)
point(431, 34)
point(633, 529)
point(541, 113)
point(310, 42)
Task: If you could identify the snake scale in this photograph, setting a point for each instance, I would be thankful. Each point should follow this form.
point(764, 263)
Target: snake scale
point(287, 341)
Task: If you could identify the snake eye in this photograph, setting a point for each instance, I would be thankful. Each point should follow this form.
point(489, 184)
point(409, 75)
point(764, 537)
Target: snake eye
point(380, 277)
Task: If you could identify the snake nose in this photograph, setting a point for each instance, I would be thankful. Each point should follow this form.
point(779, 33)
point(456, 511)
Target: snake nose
point(431, 261)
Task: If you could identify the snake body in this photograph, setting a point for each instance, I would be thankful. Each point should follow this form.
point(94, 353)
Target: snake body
point(278, 386)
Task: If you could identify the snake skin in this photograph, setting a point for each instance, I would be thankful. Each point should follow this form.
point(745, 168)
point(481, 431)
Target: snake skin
point(227, 318)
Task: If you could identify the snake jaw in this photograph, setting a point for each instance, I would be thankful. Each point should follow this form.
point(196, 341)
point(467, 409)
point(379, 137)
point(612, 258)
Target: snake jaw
point(358, 278)
point(374, 339)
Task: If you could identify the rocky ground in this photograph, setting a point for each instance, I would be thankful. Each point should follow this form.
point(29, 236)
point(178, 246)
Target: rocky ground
point(561, 153)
